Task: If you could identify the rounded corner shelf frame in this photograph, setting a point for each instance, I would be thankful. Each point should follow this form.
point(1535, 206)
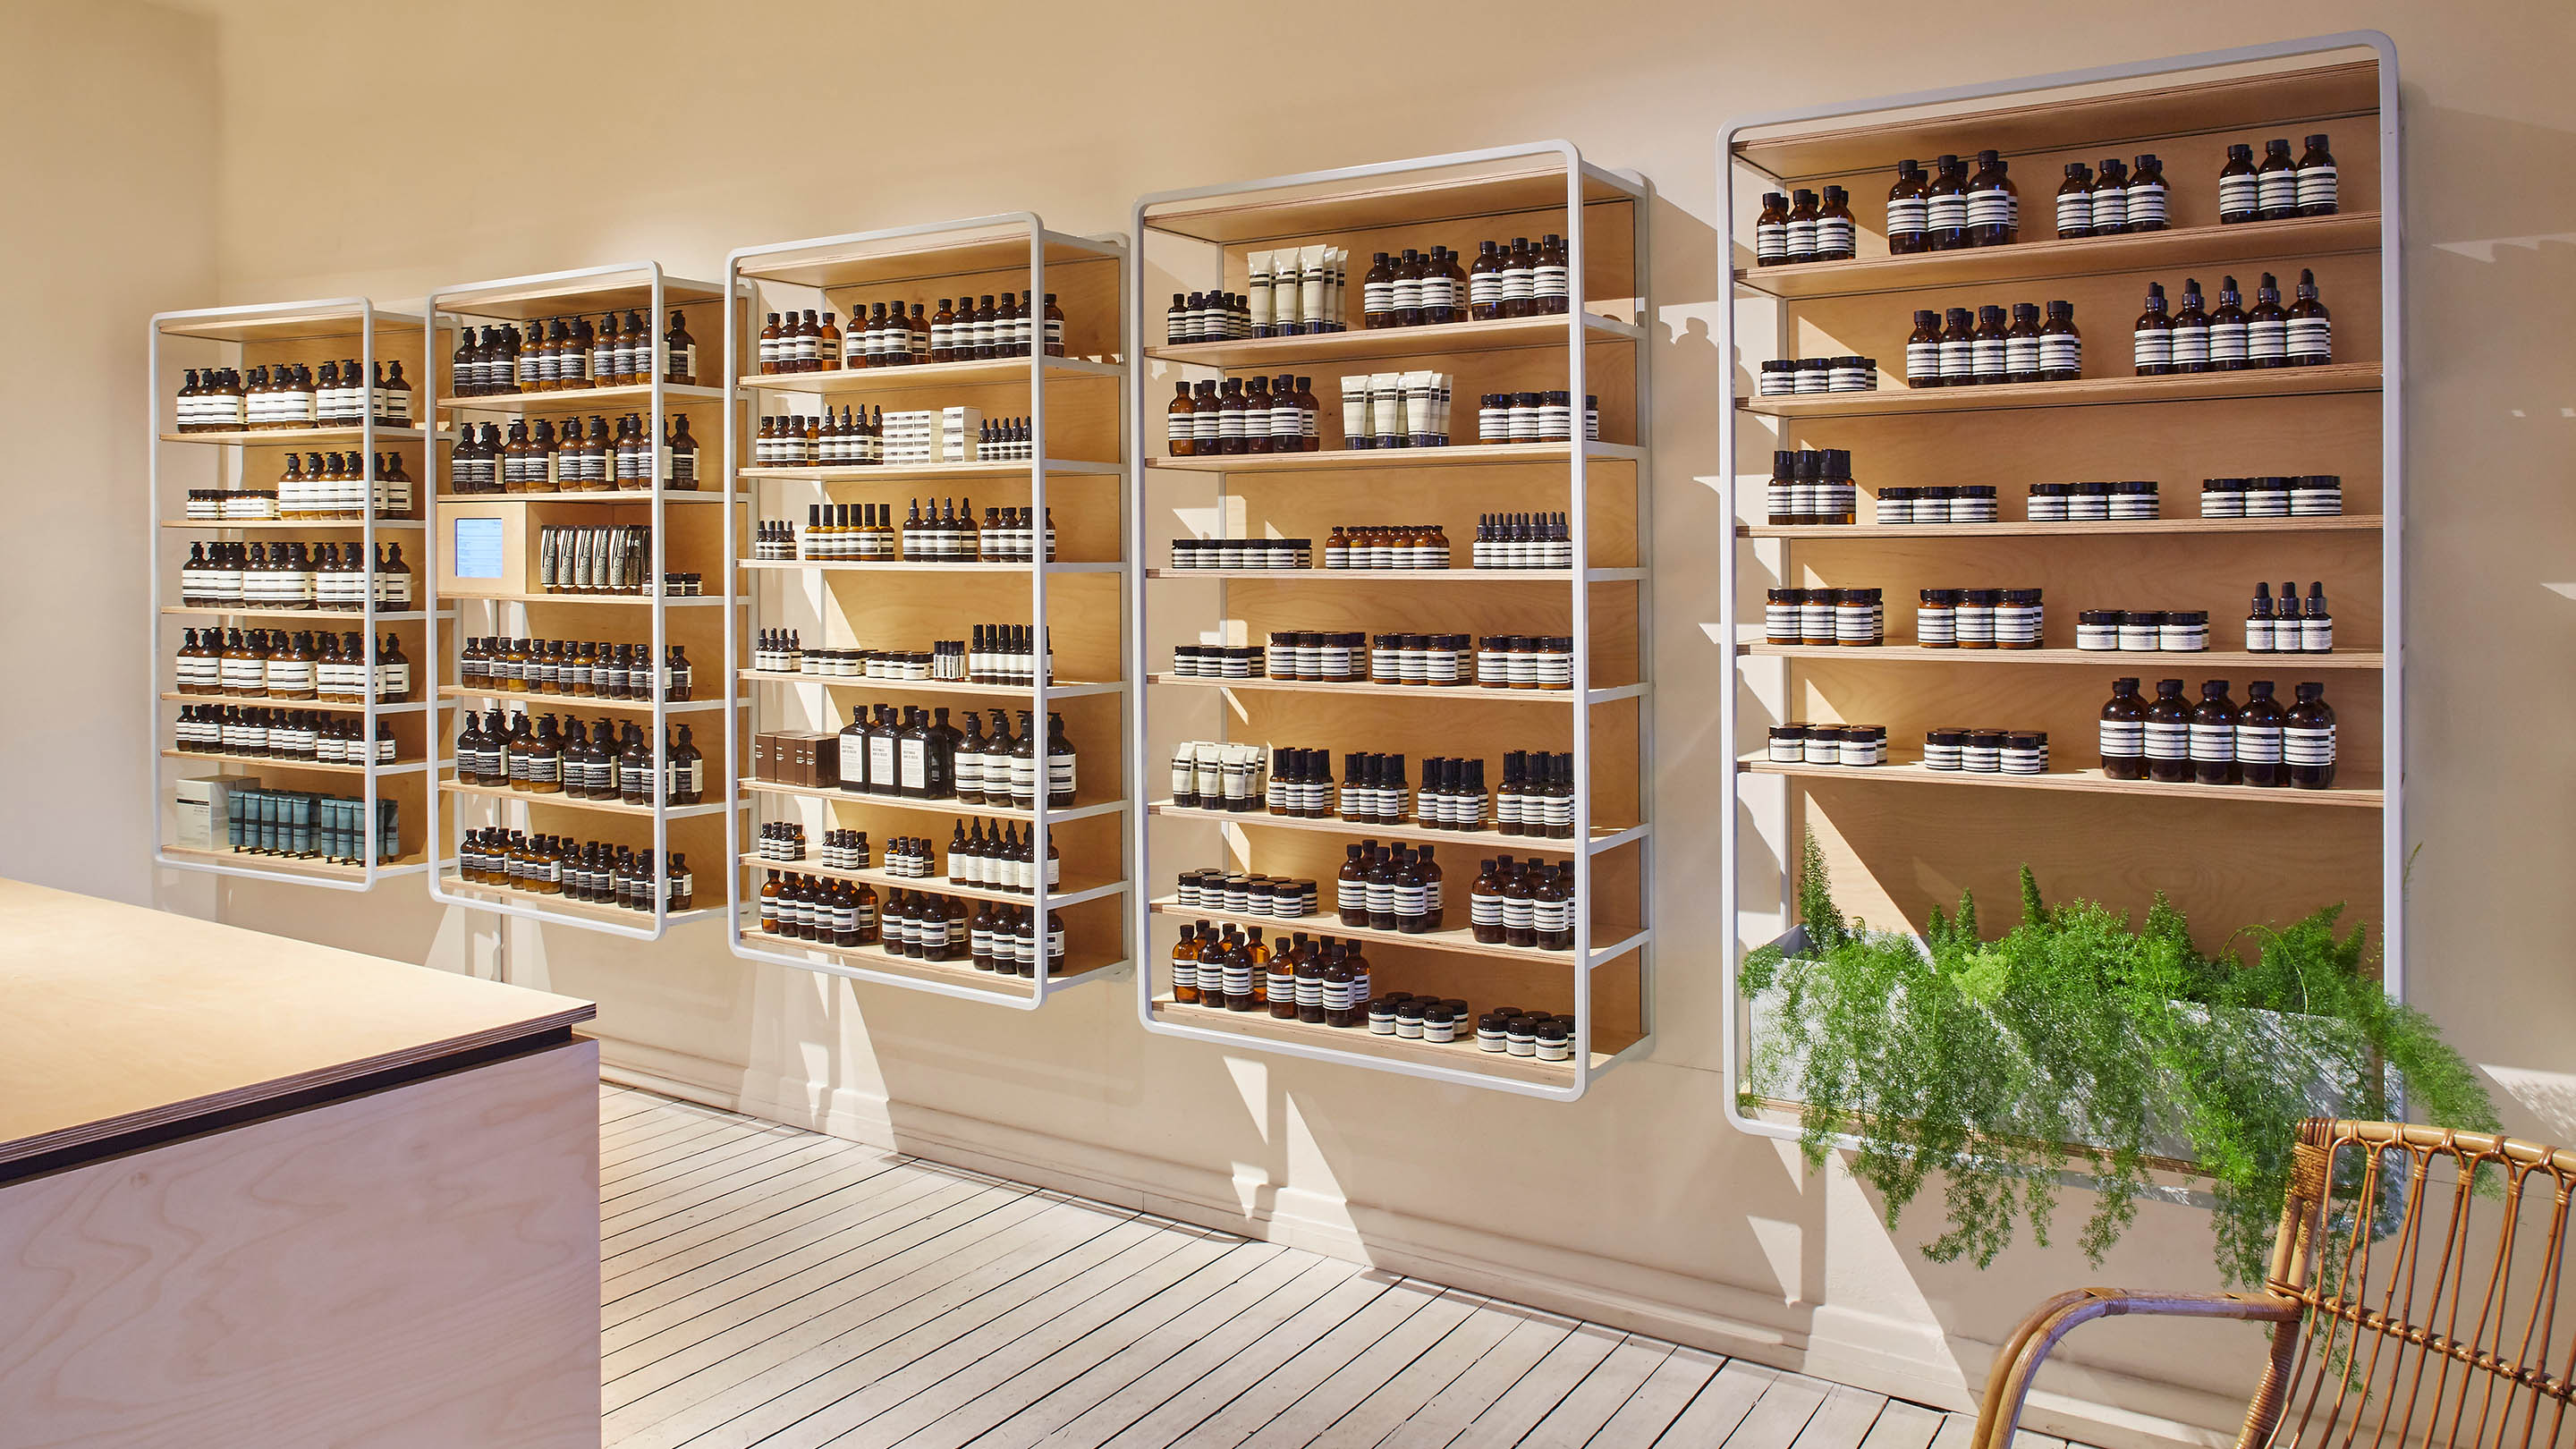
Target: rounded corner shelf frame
point(2290, 60)
point(925, 252)
point(621, 285)
point(1502, 180)
point(320, 319)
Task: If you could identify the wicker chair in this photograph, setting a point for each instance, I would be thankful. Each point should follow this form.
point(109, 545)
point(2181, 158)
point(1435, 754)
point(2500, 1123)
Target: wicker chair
point(2413, 1322)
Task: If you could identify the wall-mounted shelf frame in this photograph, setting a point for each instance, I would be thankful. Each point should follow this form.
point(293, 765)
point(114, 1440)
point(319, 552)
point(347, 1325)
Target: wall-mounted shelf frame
point(706, 619)
point(244, 337)
point(1197, 239)
point(1080, 445)
point(2350, 411)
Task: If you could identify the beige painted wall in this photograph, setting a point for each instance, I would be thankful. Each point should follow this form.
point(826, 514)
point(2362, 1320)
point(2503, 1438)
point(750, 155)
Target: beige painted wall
point(1638, 1203)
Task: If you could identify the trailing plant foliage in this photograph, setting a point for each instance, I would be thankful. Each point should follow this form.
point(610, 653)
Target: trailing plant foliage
point(2078, 1042)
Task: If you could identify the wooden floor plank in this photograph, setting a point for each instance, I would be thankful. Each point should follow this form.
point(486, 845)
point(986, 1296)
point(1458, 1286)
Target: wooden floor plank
point(718, 1298)
point(744, 1202)
point(1250, 1305)
point(1239, 1353)
point(1777, 1418)
point(1660, 1399)
point(661, 1128)
point(1338, 1393)
point(1378, 1415)
point(1957, 1431)
point(1582, 1412)
point(869, 1369)
point(1549, 1380)
point(742, 1390)
point(1903, 1426)
point(749, 1157)
point(1718, 1409)
point(1843, 1420)
point(1226, 1406)
point(1530, 1340)
point(825, 1227)
point(949, 1399)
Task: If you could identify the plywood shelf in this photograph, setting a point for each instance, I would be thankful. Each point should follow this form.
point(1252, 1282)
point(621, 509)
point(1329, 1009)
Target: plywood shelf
point(639, 497)
point(319, 616)
point(1064, 689)
point(1417, 195)
point(336, 870)
point(520, 299)
point(906, 566)
point(1453, 692)
point(1406, 576)
point(560, 800)
point(2262, 382)
point(2091, 528)
point(1271, 354)
point(689, 601)
point(269, 326)
point(576, 703)
point(876, 957)
point(455, 884)
point(280, 762)
point(326, 706)
point(2126, 660)
point(289, 525)
point(300, 437)
point(954, 809)
point(2049, 258)
point(1070, 893)
point(1460, 455)
point(932, 472)
point(582, 399)
point(944, 375)
point(1911, 772)
point(1461, 1056)
point(1604, 837)
point(1456, 940)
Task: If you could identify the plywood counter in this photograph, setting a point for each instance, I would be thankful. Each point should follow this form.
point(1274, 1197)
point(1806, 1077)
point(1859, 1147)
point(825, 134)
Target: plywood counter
point(259, 1192)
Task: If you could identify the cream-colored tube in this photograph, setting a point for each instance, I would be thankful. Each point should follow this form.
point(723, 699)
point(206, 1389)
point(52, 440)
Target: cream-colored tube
point(1256, 291)
point(1314, 280)
point(1355, 413)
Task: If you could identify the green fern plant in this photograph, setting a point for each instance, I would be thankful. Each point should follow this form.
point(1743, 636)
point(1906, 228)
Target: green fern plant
point(2076, 1042)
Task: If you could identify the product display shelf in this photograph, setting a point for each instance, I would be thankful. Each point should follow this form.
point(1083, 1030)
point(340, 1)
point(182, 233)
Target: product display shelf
point(1079, 447)
point(580, 703)
point(1893, 854)
point(1456, 940)
point(554, 901)
point(1065, 892)
point(2023, 528)
point(323, 706)
point(1604, 837)
point(1059, 689)
point(306, 334)
point(2115, 661)
point(486, 552)
point(1204, 239)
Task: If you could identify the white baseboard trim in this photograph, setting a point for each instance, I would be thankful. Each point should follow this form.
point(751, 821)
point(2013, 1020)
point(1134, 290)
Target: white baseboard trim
point(1897, 1357)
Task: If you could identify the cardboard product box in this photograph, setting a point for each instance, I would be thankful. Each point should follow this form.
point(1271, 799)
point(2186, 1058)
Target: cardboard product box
point(764, 764)
point(205, 807)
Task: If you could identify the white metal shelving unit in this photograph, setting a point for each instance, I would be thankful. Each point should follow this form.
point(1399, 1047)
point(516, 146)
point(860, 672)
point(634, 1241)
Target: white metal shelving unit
point(2168, 105)
point(1455, 199)
point(1072, 409)
point(619, 287)
point(244, 337)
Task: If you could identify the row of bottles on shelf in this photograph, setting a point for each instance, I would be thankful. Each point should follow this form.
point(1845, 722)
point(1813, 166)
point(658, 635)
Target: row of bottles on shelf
point(1811, 486)
point(963, 329)
point(1995, 618)
point(2233, 336)
point(294, 575)
point(1284, 898)
point(614, 764)
point(534, 458)
point(584, 669)
point(594, 558)
point(2215, 742)
point(1288, 292)
point(1323, 982)
point(315, 488)
point(997, 654)
point(593, 872)
point(1003, 860)
point(797, 441)
point(277, 734)
point(919, 755)
point(916, 925)
point(1243, 416)
point(290, 824)
point(1380, 410)
point(1536, 798)
point(290, 395)
point(273, 664)
point(569, 353)
point(1418, 289)
point(870, 533)
point(1978, 348)
point(1493, 661)
point(1502, 541)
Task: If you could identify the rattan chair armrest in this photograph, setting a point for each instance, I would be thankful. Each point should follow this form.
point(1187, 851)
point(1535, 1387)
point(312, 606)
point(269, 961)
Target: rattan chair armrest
point(1999, 1414)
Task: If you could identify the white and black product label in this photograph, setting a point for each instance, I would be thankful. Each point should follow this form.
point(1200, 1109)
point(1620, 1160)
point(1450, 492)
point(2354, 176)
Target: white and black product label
point(2190, 346)
point(1958, 358)
point(1802, 238)
point(2316, 636)
point(684, 364)
point(2277, 190)
point(2152, 347)
point(1906, 216)
point(2308, 744)
point(1836, 236)
point(2060, 352)
point(2316, 189)
point(1986, 356)
point(2266, 341)
point(2021, 357)
point(2237, 196)
point(2124, 739)
point(1947, 212)
point(915, 766)
point(2258, 744)
point(2167, 741)
point(1990, 208)
point(1771, 242)
point(2146, 205)
point(2311, 337)
point(1922, 359)
point(2226, 342)
point(2213, 744)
